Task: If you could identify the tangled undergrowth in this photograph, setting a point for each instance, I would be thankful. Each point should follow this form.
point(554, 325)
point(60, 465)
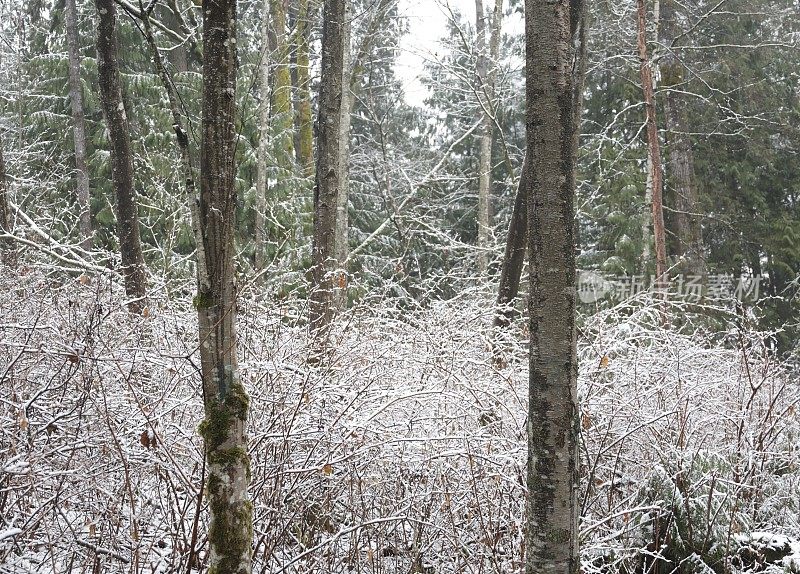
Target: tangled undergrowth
point(404, 454)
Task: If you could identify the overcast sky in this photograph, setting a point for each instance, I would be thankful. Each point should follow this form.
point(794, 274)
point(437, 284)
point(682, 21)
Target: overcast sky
point(427, 23)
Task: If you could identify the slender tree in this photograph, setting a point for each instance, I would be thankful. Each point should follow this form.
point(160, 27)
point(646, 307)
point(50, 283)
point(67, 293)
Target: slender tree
point(78, 124)
point(552, 505)
point(7, 250)
point(130, 245)
point(688, 234)
point(328, 179)
point(341, 240)
point(653, 146)
point(225, 399)
point(263, 144)
point(282, 115)
point(305, 147)
point(485, 70)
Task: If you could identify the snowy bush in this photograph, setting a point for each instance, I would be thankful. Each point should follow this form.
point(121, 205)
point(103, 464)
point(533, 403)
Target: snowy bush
point(406, 454)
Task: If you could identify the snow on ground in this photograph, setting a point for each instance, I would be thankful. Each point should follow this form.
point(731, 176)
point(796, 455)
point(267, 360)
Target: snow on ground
point(406, 453)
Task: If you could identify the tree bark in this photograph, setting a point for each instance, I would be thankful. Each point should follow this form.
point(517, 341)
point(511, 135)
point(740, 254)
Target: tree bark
point(653, 146)
point(328, 178)
point(263, 146)
point(8, 253)
point(485, 72)
point(514, 259)
point(305, 122)
point(341, 241)
point(552, 480)
point(133, 269)
point(225, 399)
point(688, 233)
point(78, 125)
point(282, 115)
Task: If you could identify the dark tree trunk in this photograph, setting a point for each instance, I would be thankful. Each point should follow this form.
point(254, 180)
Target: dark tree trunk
point(328, 179)
point(225, 399)
point(130, 245)
point(78, 124)
point(552, 506)
point(514, 259)
point(7, 250)
point(653, 146)
point(688, 233)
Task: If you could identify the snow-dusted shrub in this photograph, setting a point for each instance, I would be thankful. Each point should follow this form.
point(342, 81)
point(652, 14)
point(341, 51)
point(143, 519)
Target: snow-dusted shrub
point(405, 454)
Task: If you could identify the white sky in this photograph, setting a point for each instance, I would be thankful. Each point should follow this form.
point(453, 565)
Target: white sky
point(427, 20)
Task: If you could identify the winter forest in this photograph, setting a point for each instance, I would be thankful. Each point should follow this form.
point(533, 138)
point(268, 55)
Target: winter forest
point(400, 286)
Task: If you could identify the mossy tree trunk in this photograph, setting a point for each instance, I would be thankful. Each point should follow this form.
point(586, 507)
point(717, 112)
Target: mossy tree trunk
point(78, 124)
point(225, 399)
point(552, 480)
point(305, 121)
point(282, 114)
point(328, 178)
point(130, 245)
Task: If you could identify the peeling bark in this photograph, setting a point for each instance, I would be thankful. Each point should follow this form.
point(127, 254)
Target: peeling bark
point(551, 539)
point(225, 400)
point(653, 145)
point(133, 269)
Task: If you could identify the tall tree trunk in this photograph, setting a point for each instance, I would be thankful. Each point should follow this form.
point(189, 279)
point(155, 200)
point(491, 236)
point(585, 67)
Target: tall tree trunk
point(8, 253)
point(283, 119)
point(305, 122)
point(341, 241)
point(225, 399)
point(328, 180)
point(485, 72)
point(130, 245)
point(653, 146)
point(688, 232)
point(263, 146)
point(552, 481)
point(78, 125)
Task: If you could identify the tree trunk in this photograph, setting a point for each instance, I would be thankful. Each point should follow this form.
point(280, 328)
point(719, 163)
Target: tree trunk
point(342, 244)
point(485, 72)
point(78, 125)
point(8, 253)
point(653, 147)
point(552, 481)
point(225, 399)
point(514, 259)
point(305, 122)
point(263, 147)
point(282, 115)
point(328, 179)
point(688, 233)
point(133, 269)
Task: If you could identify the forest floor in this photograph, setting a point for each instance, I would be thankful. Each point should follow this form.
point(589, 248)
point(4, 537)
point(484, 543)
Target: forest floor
point(405, 453)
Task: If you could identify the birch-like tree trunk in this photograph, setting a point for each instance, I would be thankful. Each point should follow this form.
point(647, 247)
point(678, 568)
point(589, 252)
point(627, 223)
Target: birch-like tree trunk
point(485, 71)
point(130, 245)
point(653, 146)
point(552, 479)
point(328, 179)
point(263, 145)
point(78, 124)
point(8, 253)
point(225, 399)
point(341, 241)
point(688, 233)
